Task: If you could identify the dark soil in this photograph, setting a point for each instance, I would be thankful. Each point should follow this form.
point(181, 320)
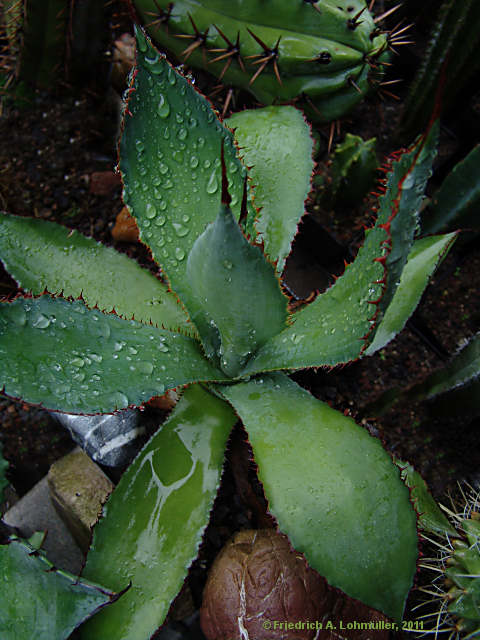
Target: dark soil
point(50, 151)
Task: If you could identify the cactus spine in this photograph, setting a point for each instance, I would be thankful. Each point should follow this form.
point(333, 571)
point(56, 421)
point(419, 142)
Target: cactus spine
point(329, 59)
point(458, 574)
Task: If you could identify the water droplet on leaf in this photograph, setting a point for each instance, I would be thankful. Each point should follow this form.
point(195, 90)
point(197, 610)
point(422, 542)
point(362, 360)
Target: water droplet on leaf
point(150, 211)
point(41, 322)
point(180, 229)
point(212, 184)
point(163, 107)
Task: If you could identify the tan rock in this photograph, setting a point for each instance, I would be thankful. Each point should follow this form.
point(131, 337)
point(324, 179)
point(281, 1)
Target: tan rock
point(125, 229)
point(78, 488)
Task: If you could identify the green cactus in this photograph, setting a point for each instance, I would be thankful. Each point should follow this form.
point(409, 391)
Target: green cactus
point(457, 565)
point(329, 60)
point(43, 47)
point(52, 40)
point(222, 323)
point(464, 572)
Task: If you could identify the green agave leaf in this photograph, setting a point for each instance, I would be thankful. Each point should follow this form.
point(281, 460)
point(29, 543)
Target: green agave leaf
point(430, 516)
point(39, 601)
point(454, 390)
point(457, 202)
point(238, 301)
point(424, 258)
point(334, 328)
point(333, 490)
point(170, 162)
point(154, 520)
point(68, 357)
point(463, 368)
point(399, 206)
point(43, 255)
point(276, 144)
point(3, 469)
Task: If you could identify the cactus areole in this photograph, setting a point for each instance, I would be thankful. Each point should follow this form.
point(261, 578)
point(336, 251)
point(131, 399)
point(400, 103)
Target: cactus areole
point(327, 54)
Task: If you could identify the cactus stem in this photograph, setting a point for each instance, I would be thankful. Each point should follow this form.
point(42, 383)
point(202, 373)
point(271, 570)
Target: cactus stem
point(376, 32)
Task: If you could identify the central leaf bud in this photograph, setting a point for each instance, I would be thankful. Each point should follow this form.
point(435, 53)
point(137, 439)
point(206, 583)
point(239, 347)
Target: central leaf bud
point(236, 301)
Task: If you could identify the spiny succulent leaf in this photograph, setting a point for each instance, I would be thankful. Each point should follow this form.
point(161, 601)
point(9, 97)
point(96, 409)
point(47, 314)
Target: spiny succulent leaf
point(457, 202)
point(404, 193)
point(430, 516)
point(462, 369)
point(424, 258)
point(154, 520)
point(3, 469)
point(42, 255)
point(170, 162)
point(345, 488)
point(333, 329)
point(276, 144)
point(39, 601)
point(309, 53)
point(237, 303)
point(67, 357)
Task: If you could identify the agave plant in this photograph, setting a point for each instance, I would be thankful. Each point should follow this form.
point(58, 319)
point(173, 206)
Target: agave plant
point(81, 342)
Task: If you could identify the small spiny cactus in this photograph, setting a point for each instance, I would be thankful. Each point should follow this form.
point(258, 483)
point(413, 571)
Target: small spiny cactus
point(458, 568)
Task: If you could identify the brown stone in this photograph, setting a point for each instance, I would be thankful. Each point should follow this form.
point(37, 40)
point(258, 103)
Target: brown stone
point(78, 489)
point(125, 229)
point(257, 579)
point(259, 588)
